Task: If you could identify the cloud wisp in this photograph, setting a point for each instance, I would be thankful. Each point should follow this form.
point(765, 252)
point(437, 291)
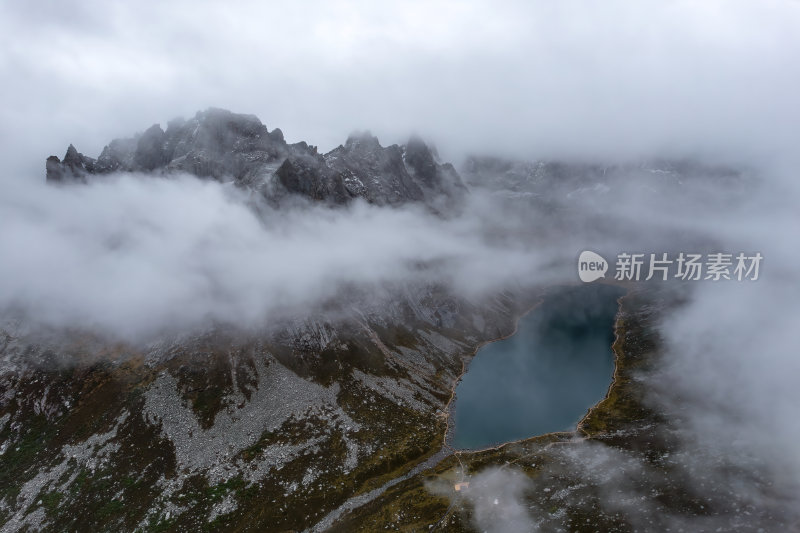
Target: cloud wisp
point(131, 254)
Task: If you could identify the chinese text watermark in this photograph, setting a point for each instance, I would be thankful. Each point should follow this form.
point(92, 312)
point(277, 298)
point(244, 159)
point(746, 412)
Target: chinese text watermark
point(663, 266)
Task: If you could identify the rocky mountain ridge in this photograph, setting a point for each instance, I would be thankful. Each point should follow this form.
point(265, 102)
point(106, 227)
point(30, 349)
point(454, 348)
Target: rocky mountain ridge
point(225, 146)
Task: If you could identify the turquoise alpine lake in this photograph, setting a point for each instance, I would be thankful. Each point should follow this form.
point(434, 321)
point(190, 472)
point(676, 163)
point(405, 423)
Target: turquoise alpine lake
point(546, 376)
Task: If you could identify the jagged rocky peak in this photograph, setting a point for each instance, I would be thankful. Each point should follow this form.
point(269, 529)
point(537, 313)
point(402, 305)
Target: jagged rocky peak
point(409, 172)
point(150, 149)
point(74, 167)
point(226, 146)
point(420, 158)
point(215, 143)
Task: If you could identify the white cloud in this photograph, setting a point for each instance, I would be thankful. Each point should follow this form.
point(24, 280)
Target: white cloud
point(132, 254)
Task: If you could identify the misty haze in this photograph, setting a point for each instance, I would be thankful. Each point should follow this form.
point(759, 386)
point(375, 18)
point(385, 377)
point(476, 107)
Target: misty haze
point(318, 267)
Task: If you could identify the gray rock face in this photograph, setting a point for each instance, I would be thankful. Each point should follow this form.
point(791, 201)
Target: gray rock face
point(151, 150)
point(74, 167)
point(378, 174)
point(225, 146)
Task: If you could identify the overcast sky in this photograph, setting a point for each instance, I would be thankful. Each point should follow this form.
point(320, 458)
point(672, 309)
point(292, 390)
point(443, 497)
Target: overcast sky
point(539, 78)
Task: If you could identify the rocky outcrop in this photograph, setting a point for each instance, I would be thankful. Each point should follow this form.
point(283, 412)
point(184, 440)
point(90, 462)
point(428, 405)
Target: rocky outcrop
point(215, 143)
point(225, 146)
point(74, 167)
point(308, 176)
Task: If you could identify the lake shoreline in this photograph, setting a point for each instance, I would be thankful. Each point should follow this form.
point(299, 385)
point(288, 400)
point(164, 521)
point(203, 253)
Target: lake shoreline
point(578, 427)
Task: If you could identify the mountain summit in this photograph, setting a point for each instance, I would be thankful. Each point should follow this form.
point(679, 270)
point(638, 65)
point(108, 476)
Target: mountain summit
point(226, 146)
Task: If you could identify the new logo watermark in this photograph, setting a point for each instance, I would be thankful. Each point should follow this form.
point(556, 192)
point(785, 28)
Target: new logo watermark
point(663, 266)
point(591, 266)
